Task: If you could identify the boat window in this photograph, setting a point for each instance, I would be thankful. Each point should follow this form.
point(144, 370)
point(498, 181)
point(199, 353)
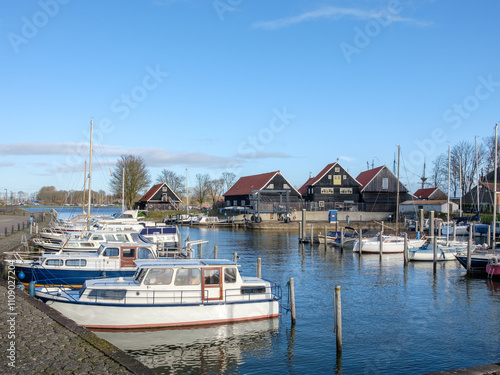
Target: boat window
point(107, 294)
point(188, 276)
point(212, 277)
point(54, 262)
point(110, 237)
point(253, 290)
point(144, 253)
point(76, 262)
point(121, 237)
point(97, 237)
point(159, 276)
point(230, 275)
point(128, 253)
point(111, 252)
point(82, 290)
point(139, 275)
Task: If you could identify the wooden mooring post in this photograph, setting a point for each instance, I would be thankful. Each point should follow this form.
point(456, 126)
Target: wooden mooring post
point(405, 249)
point(338, 319)
point(235, 257)
point(360, 242)
point(489, 237)
point(259, 264)
point(469, 248)
point(215, 252)
point(341, 239)
point(381, 241)
point(434, 247)
point(304, 221)
point(292, 299)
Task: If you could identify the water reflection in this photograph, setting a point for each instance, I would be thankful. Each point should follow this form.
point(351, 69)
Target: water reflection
point(217, 349)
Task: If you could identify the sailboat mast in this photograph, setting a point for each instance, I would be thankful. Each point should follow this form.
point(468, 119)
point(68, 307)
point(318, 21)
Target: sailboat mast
point(495, 189)
point(123, 189)
point(90, 173)
point(187, 193)
point(84, 186)
point(397, 196)
point(460, 182)
point(477, 173)
point(449, 192)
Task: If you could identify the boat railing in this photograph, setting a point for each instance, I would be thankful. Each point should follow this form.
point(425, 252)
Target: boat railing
point(180, 297)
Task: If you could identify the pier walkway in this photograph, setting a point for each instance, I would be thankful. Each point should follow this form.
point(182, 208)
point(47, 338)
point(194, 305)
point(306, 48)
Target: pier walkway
point(36, 339)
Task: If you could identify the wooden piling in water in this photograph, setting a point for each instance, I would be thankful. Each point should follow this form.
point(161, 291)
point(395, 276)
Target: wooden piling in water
point(312, 234)
point(235, 257)
point(381, 242)
point(489, 236)
point(405, 249)
point(259, 264)
point(304, 221)
point(469, 248)
point(292, 300)
point(341, 239)
point(338, 318)
point(215, 252)
point(360, 241)
point(300, 231)
point(434, 247)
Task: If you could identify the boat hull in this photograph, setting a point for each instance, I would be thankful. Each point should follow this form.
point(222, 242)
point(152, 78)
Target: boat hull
point(387, 247)
point(428, 255)
point(143, 316)
point(76, 278)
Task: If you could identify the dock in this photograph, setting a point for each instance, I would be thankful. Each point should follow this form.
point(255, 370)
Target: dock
point(38, 339)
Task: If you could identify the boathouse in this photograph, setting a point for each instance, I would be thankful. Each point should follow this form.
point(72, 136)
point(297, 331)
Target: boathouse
point(332, 188)
point(159, 198)
point(379, 190)
point(430, 194)
point(412, 206)
point(271, 187)
point(486, 190)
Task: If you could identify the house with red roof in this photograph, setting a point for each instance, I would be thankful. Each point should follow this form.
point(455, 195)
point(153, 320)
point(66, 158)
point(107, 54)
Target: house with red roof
point(434, 193)
point(379, 190)
point(271, 185)
point(333, 187)
point(159, 198)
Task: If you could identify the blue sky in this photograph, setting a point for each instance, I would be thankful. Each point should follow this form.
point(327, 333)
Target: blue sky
point(241, 86)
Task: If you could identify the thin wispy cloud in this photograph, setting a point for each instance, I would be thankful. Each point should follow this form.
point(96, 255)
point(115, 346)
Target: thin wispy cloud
point(336, 13)
point(263, 155)
point(106, 156)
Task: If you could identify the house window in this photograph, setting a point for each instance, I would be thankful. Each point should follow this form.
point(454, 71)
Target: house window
point(337, 179)
point(270, 186)
point(337, 169)
point(235, 203)
point(329, 176)
point(344, 177)
point(285, 186)
point(243, 203)
point(385, 183)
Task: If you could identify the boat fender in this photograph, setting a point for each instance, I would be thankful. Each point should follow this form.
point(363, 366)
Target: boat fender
point(295, 217)
point(31, 288)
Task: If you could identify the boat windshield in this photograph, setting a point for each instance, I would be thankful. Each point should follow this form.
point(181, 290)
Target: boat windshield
point(139, 275)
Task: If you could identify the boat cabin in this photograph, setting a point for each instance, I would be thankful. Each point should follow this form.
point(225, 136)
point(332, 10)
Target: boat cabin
point(179, 282)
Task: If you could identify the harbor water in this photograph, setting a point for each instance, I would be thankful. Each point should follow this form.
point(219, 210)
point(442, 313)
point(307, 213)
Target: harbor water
point(395, 320)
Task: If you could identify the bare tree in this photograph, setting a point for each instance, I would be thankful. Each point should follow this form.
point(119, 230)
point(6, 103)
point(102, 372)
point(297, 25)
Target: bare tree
point(136, 178)
point(463, 161)
point(439, 171)
point(175, 181)
point(228, 179)
point(201, 188)
point(214, 189)
point(488, 149)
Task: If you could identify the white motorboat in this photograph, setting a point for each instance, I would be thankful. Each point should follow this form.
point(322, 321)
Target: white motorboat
point(390, 244)
point(168, 293)
point(445, 251)
point(459, 229)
